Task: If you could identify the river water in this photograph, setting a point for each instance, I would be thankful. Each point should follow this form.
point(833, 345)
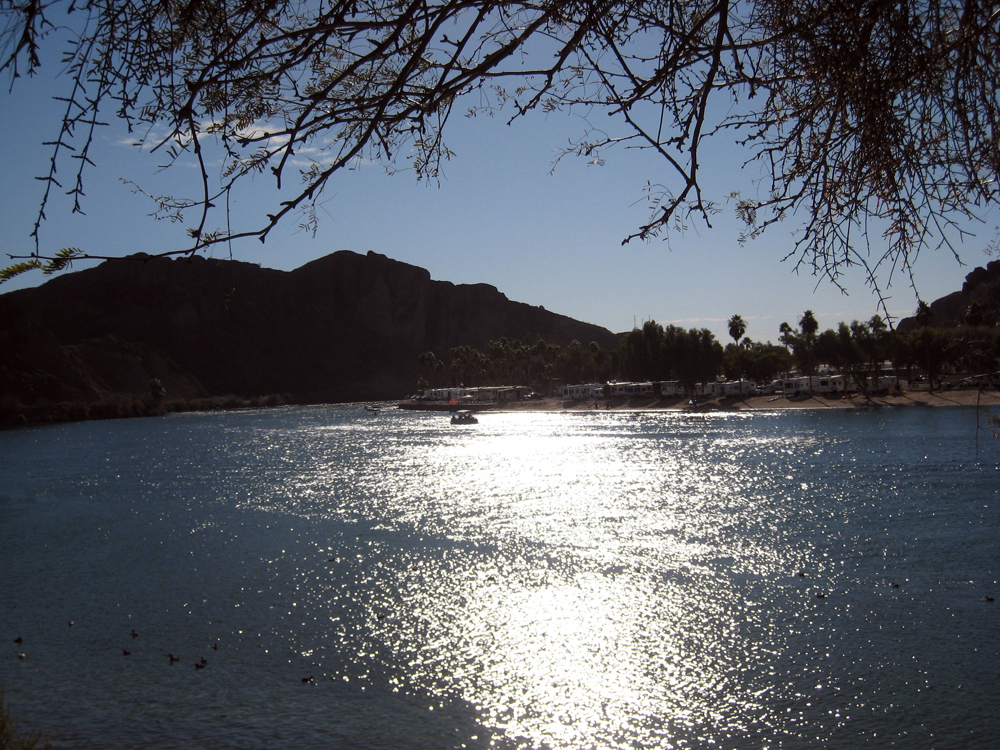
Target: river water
point(540, 580)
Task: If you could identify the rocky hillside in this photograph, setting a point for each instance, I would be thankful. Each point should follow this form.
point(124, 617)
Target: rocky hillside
point(979, 301)
point(345, 327)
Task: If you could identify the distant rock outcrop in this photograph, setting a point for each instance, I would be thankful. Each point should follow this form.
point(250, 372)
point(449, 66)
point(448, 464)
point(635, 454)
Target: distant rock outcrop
point(344, 327)
point(980, 294)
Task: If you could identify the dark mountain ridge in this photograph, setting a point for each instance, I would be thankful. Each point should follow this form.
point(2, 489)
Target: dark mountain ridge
point(345, 327)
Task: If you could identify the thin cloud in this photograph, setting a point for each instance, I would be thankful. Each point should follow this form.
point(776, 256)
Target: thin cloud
point(695, 321)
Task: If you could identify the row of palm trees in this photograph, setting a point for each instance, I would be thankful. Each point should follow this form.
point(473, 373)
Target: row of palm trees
point(655, 352)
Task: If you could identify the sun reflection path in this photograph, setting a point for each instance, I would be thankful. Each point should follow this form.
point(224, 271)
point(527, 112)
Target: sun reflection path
point(569, 670)
point(596, 607)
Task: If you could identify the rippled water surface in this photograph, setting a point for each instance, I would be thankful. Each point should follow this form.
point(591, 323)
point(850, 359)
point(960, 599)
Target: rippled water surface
point(657, 580)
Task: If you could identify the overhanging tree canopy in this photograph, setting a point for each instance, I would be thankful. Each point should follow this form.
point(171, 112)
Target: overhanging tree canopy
point(861, 113)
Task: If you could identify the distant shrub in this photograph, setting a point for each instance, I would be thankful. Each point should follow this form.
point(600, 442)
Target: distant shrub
point(11, 739)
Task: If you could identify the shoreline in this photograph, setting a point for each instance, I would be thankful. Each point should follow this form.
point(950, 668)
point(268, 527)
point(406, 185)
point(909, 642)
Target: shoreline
point(905, 399)
point(124, 407)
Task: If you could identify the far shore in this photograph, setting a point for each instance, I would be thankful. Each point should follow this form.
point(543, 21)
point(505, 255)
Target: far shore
point(904, 399)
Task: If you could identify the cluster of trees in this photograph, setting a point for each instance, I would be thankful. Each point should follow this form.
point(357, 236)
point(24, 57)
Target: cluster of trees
point(657, 353)
point(654, 352)
point(648, 353)
point(861, 348)
point(506, 362)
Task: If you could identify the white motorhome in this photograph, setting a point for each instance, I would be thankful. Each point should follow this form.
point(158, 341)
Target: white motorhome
point(814, 384)
point(630, 390)
point(737, 387)
point(828, 384)
point(584, 392)
point(671, 388)
point(793, 386)
point(708, 390)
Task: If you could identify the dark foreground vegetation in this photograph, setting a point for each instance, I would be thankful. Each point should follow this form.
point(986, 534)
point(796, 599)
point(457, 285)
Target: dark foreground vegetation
point(11, 738)
point(854, 113)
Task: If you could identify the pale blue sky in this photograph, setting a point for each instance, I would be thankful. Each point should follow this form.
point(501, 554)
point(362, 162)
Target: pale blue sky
point(499, 218)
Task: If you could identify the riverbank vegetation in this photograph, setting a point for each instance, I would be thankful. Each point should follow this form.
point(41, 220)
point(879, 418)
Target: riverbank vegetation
point(11, 738)
point(121, 406)
point(863, 350)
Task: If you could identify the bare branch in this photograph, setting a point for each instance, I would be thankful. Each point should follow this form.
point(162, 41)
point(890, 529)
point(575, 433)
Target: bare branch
point(874, 123)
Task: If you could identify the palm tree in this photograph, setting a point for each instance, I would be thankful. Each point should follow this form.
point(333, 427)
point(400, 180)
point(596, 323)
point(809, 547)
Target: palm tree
point(737, 327)
point(924, 314)
point(808, 324)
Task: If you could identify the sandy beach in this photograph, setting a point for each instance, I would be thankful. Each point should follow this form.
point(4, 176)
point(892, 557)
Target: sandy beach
point(905, 399)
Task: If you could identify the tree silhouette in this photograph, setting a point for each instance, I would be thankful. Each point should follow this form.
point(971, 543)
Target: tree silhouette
point(855, 113)
point(737, 327)
point(974, 315)
point(924, 315)
point(802, 342)
point(808, 324)
point(929, 342)
point(433, 365)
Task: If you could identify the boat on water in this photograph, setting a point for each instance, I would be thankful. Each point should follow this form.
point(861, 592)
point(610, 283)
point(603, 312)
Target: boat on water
point(464, 416)
point(373, 410)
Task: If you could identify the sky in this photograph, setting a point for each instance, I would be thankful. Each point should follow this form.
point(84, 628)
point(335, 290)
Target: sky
point(501, 216)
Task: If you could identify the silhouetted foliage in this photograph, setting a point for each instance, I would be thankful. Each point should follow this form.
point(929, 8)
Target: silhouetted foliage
point(861, 350)
point(758, 362)
point(855, 113)
point(802, 342)
point(11, 738)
